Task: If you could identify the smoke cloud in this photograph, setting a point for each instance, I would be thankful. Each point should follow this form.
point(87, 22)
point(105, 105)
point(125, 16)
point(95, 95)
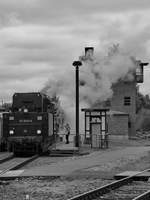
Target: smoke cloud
point(97, 74)
point(61, 85)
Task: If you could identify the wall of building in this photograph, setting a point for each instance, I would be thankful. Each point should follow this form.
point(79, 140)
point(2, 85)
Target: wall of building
point(118, 125)
point(120, 91)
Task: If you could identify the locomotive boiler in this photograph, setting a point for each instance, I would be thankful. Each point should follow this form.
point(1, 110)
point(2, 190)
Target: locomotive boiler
point(29, 127)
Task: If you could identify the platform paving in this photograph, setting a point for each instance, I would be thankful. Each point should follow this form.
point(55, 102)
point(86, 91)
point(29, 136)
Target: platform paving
point(98, 159)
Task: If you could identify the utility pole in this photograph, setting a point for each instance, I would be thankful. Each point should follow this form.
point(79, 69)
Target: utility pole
point(77, 64)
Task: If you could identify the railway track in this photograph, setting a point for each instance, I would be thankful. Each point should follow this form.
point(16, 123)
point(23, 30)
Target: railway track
point(123, 189)
point(15, 163)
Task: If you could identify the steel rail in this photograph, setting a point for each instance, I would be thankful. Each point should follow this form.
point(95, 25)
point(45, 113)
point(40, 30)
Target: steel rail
point(106, 188)
point(144, 196)
point(17, 166)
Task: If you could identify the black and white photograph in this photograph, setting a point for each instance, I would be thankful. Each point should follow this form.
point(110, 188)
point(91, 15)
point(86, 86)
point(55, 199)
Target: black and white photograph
point(74, 100)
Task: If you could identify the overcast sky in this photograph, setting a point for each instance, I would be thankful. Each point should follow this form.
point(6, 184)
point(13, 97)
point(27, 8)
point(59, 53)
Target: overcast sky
point(40, 38)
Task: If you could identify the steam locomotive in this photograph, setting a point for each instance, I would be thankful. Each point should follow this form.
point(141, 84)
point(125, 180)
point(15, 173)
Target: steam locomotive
point(29, 127)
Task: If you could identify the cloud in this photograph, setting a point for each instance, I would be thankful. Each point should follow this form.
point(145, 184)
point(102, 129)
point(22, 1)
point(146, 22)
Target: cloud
point(39, 38)
point(67, 11)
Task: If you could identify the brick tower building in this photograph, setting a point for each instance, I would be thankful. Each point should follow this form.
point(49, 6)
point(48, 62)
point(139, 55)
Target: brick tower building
point(124, 100)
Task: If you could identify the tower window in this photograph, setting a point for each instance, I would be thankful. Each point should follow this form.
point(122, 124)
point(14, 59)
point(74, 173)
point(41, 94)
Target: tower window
point(127, 101)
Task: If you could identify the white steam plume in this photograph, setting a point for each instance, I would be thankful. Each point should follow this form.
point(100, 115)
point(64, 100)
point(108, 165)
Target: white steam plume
point(62, 86)
point(97, 74)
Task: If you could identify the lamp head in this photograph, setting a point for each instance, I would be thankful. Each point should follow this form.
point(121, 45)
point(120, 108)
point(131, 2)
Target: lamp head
point(77, 63)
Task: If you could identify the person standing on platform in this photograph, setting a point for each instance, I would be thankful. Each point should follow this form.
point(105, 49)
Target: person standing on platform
point(67, 131)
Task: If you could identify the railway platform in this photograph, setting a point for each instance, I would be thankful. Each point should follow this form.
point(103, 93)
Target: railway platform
point(95, 161)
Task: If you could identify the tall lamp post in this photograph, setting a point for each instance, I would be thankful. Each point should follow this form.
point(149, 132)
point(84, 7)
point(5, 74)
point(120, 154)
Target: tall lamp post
point(77, 64)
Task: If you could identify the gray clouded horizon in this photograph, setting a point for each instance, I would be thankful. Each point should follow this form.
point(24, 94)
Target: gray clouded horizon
point(39, 39)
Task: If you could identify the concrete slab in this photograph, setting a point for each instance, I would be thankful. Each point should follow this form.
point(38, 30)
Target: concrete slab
point(12, 173)
point(144, 176)
point(127, 173)
point(4, 155)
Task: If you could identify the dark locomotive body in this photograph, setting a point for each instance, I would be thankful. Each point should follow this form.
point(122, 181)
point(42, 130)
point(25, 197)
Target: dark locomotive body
point(29, 127)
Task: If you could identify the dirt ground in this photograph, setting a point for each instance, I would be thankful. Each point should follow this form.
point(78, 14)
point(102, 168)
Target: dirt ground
point(75, 183)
